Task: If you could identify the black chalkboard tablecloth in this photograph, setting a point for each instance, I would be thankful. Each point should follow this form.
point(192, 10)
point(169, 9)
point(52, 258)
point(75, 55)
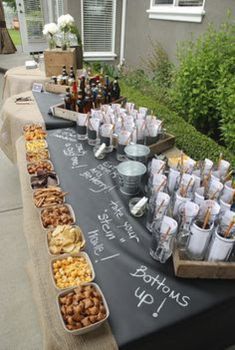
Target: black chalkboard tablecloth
point(150, 308)
point(44, 101)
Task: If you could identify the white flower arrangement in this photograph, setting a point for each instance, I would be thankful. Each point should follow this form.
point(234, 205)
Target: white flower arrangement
point(50, 28)
point(65, 22)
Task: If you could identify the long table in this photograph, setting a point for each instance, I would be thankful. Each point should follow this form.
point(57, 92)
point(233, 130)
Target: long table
point(149, 306)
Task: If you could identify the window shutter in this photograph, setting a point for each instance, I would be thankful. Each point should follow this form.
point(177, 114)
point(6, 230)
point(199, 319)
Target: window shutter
point(190, 2)
point(98, 25)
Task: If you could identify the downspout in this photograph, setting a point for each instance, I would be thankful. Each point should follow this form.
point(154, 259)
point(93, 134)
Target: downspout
point(123, 32)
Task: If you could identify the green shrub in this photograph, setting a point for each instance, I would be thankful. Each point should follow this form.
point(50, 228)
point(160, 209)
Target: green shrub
point(158, 66)
point(226, 98)
point(191, 141)
point(198, 79)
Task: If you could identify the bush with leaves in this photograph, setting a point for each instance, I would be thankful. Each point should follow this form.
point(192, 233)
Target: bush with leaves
point(226, 101)
point(199, 81)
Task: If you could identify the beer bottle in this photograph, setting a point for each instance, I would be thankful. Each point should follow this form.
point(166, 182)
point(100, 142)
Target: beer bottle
point(94, 92)
point(83, 85)
point(80, 102)
point(64, 69)
point(67, 99)
point(74, 95)
point(88, 100)
point(64, 77)
point(115, 92)
point(99, 98)
point(72, 74)
point(71, 78)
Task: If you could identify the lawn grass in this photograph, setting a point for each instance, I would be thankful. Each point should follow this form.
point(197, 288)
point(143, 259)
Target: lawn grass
point(15, 36)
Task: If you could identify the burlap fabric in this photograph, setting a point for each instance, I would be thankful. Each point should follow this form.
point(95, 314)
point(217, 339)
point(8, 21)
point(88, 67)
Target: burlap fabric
point(20, 79)
point(54, 337)
point(12, 118)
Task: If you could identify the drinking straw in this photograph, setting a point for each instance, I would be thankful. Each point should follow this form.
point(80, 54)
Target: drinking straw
point(227, 232)
point(187, 187)
point(161, 184)
point(129, 137)
point(164, 236)
point(160, 206)
point(220, 158)
point(214, 194)
point(228, 176)
point(207, 217)
point(181, 160)
point(161, 168)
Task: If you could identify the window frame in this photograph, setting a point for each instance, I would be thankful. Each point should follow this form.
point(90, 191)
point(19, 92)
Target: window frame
point(96, 55)
point(174, 12)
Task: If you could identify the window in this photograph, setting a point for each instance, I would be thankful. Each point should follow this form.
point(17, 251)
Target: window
point(177, 10)
point(98, 29)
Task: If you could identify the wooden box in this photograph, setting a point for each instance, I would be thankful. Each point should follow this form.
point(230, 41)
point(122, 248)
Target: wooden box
point(57, 58)
point(163, 144)
point(202, 269)
point(60, 112)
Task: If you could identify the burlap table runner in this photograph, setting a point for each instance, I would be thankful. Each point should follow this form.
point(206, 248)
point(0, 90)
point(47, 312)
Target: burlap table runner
point(20, 79)
point(13, 117)
point(55, 338)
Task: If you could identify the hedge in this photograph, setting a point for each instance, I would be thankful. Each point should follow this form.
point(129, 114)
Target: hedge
point(191, 141)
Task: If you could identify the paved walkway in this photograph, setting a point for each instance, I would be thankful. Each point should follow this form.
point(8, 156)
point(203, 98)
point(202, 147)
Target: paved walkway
point(19, 327)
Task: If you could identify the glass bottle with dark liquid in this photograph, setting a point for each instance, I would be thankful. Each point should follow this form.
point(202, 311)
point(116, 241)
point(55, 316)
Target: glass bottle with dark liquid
point(67, 99)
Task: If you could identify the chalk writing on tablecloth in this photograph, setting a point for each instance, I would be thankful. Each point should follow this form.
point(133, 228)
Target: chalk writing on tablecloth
point(74, 152)
point(159, 286)
point(109, 230)
point(65, 134)
point(94, 177)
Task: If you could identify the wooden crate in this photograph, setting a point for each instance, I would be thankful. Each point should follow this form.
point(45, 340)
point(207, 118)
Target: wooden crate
point(55, 88)
point(57, 58)
point(202, 269)
point(163, 144)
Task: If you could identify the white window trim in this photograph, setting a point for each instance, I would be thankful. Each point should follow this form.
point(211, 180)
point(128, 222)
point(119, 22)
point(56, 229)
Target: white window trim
point(176, 13)
point(104, 56)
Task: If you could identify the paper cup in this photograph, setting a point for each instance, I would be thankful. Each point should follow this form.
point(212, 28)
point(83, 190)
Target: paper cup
point(215, 188)
point(178, 201)
point(160, 210)
point(215, 209)
point(227, 218)
point(208, 164)
point(223, 167)
point(159, 183)
point(172, 179)
point(198, 241)
point(157, 166)
point(224, 207)
point(220, 248)
point(228, 192)
point(199, 196)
